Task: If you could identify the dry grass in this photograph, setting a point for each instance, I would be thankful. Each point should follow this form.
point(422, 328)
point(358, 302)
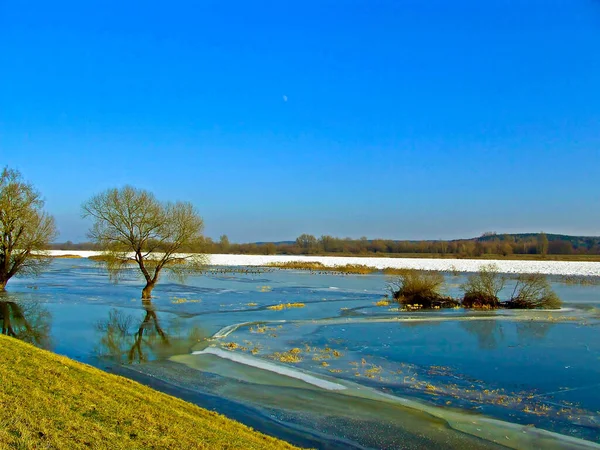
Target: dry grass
point(420, 288)
point(354, 269)
point(581, 280)
point(298, 265)
point(291, 356)
point(67, 256)
point(105, 258)
point(482, 288)
point(181, 300)
point(286, 306)
point(394, 271)
point(49, 401)
point(533, 291)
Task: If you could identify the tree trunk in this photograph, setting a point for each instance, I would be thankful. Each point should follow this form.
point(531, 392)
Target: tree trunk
point(147, 291)
point(2, 285)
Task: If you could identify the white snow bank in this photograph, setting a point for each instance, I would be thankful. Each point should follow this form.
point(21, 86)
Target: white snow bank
point(463, 265)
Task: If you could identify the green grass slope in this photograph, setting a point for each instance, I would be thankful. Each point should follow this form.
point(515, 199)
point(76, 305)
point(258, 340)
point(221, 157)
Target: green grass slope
point(49, 401)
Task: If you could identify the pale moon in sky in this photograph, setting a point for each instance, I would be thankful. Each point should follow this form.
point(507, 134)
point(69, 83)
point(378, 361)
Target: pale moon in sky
point(285, 98)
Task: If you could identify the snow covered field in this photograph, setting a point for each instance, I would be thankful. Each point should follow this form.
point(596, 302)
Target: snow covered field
point(462, 265)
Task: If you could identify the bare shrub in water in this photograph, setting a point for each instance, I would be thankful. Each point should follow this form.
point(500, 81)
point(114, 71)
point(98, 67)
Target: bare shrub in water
point(419, 287)
point(533, 291)
point(482, 288)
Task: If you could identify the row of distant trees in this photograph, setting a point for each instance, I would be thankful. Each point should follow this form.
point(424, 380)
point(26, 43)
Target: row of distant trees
point(505, 245)
point(487, 244)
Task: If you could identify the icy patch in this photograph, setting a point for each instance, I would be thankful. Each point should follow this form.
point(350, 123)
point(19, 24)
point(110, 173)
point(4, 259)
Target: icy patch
point(271, 367)
point(585, 268)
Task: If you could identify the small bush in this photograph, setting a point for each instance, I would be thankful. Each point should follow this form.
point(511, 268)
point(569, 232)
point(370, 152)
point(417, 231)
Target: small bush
point(480, 300)
point(482, 289)
point(281, 306)
point(533, 291)
point(418, 287)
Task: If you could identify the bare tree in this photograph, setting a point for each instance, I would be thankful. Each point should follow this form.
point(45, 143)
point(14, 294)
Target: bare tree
point(25, 230)
point(131, 226)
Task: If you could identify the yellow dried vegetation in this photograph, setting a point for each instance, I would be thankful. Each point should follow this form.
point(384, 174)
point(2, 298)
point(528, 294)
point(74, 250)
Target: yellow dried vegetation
point(264, 288)
point(178, 300)
point(50, 401)
point(286, 306)
point(291, 356)
point(315, 266)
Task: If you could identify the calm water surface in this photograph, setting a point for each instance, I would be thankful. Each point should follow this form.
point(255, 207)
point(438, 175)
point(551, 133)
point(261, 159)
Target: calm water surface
point(339, 371)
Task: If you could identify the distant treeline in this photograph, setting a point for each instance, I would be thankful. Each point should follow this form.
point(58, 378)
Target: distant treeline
point(487, 244)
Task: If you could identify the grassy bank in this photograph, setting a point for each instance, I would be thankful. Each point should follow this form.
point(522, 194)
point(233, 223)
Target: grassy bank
point(49, 401)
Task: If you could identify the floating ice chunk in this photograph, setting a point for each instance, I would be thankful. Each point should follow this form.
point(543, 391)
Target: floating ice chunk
point(271, 367)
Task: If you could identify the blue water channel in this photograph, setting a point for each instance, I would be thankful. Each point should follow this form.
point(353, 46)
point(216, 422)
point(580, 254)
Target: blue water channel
point(335, 366)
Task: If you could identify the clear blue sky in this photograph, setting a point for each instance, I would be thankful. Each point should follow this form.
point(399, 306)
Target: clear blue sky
point(397, 119)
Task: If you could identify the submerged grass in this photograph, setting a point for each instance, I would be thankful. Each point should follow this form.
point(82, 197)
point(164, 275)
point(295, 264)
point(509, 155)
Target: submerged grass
point(281, 306)
point(49, 401)
point(581, 280)
point(181, 300)
point(315, 266)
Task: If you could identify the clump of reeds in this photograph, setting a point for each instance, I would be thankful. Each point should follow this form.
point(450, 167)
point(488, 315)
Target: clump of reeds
point(481, 289)
point(281, 306)
point(298, 265)
point(581, 280)
point(395, 271)
point(357, 269)
point(315, 266)
point(383, 302)
point(291, 356)
point(179, 301)
point(533, 291)
point(418, 287)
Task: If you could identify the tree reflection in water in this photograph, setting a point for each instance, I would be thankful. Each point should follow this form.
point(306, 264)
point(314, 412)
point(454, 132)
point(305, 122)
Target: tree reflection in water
point(490, 333)
point(124, 339)
point(530, 330)
point(26, 320)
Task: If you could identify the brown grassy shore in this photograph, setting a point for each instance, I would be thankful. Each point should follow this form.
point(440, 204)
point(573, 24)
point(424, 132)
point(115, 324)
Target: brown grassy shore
point(50, 401)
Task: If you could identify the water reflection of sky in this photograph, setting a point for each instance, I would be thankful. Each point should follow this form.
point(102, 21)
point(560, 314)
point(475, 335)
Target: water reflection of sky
point(549, 360)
